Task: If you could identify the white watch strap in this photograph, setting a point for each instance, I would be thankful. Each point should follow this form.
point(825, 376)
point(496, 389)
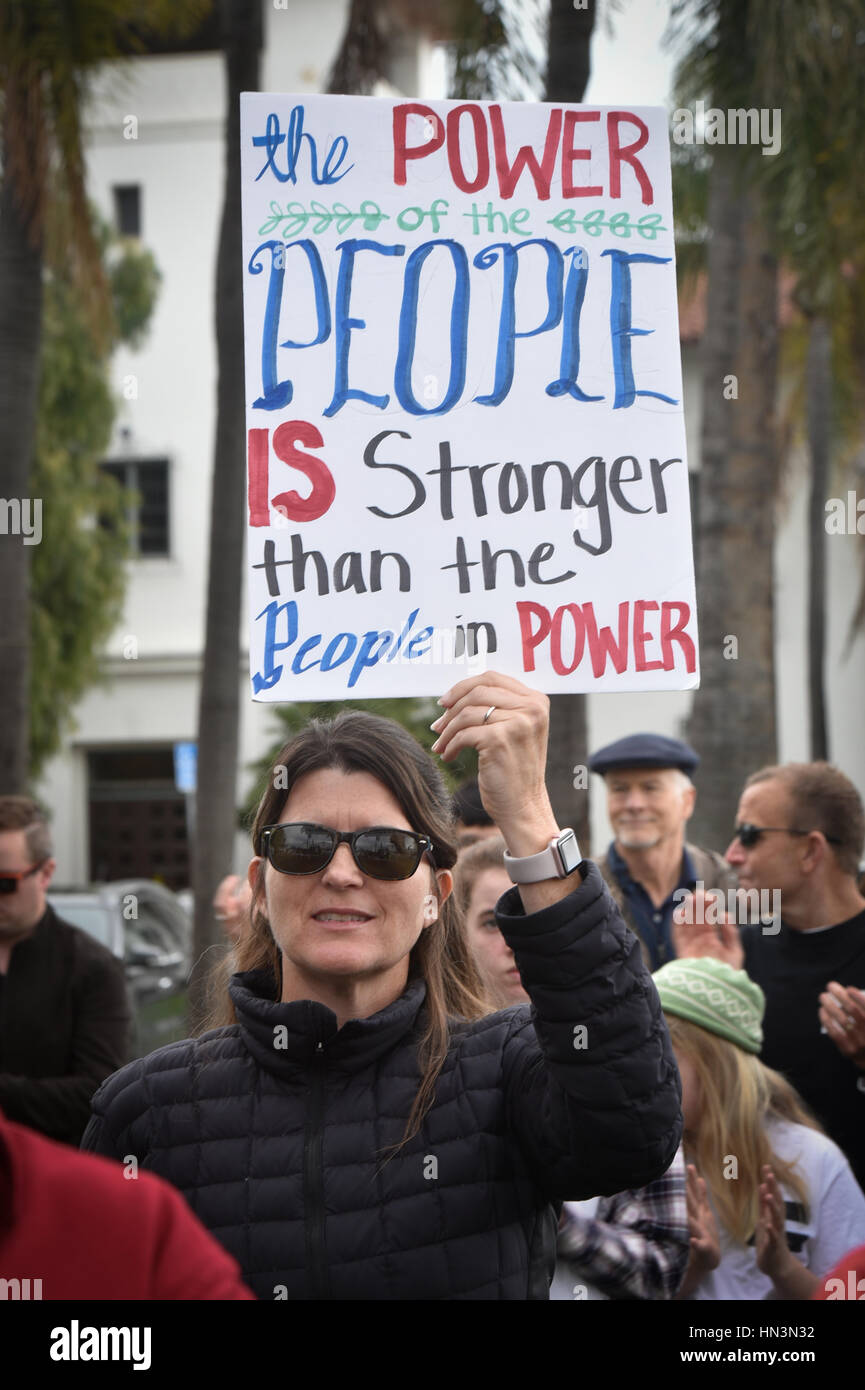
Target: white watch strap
point(534, 868)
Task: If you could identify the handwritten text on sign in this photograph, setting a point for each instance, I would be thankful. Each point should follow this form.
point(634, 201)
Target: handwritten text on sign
point(465, 429)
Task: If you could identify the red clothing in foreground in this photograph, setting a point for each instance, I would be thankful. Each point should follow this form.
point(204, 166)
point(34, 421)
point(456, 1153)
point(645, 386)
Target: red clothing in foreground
point(77, 1224)
point(846, 1280)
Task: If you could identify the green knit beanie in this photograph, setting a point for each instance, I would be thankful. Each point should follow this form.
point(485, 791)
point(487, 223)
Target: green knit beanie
point(714, 995)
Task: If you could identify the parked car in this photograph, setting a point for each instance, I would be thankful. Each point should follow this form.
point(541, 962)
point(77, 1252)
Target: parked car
point(146, 926)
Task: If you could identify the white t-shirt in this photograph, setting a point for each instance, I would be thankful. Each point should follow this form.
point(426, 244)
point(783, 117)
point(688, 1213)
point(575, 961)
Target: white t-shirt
point(835, 1222)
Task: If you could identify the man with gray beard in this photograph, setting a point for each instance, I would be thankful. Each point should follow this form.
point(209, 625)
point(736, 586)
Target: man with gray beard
point(650, 799)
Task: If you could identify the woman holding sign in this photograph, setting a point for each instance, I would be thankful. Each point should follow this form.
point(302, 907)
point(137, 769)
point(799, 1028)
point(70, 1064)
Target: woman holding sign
point(362, 1128)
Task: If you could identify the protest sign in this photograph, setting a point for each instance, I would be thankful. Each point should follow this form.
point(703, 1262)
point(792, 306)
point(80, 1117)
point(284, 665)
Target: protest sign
point(466, 440)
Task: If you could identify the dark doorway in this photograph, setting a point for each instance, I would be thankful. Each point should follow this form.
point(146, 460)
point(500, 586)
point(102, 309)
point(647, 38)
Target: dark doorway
point(137, 817)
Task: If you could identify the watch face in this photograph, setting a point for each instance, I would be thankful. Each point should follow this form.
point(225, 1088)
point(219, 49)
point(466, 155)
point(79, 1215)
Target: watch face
point(569, 851)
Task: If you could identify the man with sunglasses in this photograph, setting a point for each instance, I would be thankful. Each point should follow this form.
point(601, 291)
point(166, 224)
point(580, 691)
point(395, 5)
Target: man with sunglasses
point(800, 829)
point(64, 1009)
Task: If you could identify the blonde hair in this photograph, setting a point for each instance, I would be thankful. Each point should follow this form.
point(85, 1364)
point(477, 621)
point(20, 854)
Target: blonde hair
point(739, 1095)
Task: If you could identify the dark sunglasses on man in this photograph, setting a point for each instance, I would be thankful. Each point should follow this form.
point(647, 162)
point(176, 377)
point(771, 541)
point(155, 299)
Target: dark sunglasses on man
point(749, 835)
point(300, 847)
point(9, 881)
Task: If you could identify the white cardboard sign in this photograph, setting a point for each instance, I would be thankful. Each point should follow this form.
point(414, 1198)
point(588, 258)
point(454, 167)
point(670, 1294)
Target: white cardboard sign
point(466, 439)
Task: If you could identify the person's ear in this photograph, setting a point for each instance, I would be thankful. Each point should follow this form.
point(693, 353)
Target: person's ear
point(689, 801)
point(254, 877)
point(815, 851)
point(433, 902)
point(47, 872)
point(445, 880)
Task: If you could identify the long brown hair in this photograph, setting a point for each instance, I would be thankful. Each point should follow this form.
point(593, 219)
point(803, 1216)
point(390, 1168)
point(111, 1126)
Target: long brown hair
point(359, 742)
point(739, 1094)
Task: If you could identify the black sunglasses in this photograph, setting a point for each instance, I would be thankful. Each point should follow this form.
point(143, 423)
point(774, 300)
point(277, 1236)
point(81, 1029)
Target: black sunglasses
point(300, 847)
point(9, 882)
point(748, 835)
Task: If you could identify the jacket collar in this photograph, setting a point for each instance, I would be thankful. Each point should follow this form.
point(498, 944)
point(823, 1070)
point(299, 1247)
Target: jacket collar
point(282, 1037)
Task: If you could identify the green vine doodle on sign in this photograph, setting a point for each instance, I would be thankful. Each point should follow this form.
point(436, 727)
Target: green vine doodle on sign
point(296, 218)
point(619, 223)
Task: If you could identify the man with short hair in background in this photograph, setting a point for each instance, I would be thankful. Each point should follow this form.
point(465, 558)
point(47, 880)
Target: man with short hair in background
point(650, 799)
point(800, 829)
point(64, 1010)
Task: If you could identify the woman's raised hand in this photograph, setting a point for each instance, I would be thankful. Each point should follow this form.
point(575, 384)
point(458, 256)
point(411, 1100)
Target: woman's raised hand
point(508, 724)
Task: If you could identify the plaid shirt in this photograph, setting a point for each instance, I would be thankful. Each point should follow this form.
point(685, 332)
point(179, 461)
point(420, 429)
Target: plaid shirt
point(637, 1244)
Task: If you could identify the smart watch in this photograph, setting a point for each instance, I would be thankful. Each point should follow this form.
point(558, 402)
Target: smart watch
point(559, 859)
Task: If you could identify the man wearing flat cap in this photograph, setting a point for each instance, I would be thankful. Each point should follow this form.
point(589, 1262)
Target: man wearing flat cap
point(650, 799)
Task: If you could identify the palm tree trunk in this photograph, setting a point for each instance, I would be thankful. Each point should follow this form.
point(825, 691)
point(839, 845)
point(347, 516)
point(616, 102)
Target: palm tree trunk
point(218, 712)
point(20, 350)
point(568, 58)
point(364, 52)
point(732, 723)
point(819, 373)
point(569, 36)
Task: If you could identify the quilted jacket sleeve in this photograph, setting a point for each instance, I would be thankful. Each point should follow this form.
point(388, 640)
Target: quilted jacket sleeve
point(592, 1090)
point(119, 1125)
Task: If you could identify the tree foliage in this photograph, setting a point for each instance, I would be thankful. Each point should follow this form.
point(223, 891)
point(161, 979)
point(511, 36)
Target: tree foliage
point(497, 50)
point(78, 576)
point(414, 715)
point(50, 52)
point(800, 61)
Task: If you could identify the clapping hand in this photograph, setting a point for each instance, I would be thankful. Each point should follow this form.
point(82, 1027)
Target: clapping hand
point(770, 1237)
point(705, 1241)
point(693, 935)
point(775, 1259)
point(705, 1252)
point(842, 1014)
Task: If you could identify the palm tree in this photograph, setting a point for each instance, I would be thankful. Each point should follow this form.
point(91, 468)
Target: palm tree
point(568, 42)
point(49, 53)
point(20, 337)
point(219, 700)
point(818, 209)
point(733, 722)
point(365, 50)
point(798, 61)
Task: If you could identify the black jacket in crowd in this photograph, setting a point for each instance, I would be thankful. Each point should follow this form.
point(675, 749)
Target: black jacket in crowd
point(65, 1024)
point(276, 1128)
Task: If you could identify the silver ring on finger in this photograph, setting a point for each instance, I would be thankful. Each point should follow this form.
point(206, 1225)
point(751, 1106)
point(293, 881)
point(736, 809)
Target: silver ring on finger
point(488, 713)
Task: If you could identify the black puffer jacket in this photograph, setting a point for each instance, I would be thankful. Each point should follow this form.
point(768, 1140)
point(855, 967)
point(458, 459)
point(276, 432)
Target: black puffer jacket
point(274, 1128)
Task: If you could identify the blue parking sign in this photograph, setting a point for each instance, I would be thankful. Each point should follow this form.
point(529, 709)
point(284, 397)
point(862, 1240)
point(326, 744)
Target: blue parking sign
point(185, 766)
